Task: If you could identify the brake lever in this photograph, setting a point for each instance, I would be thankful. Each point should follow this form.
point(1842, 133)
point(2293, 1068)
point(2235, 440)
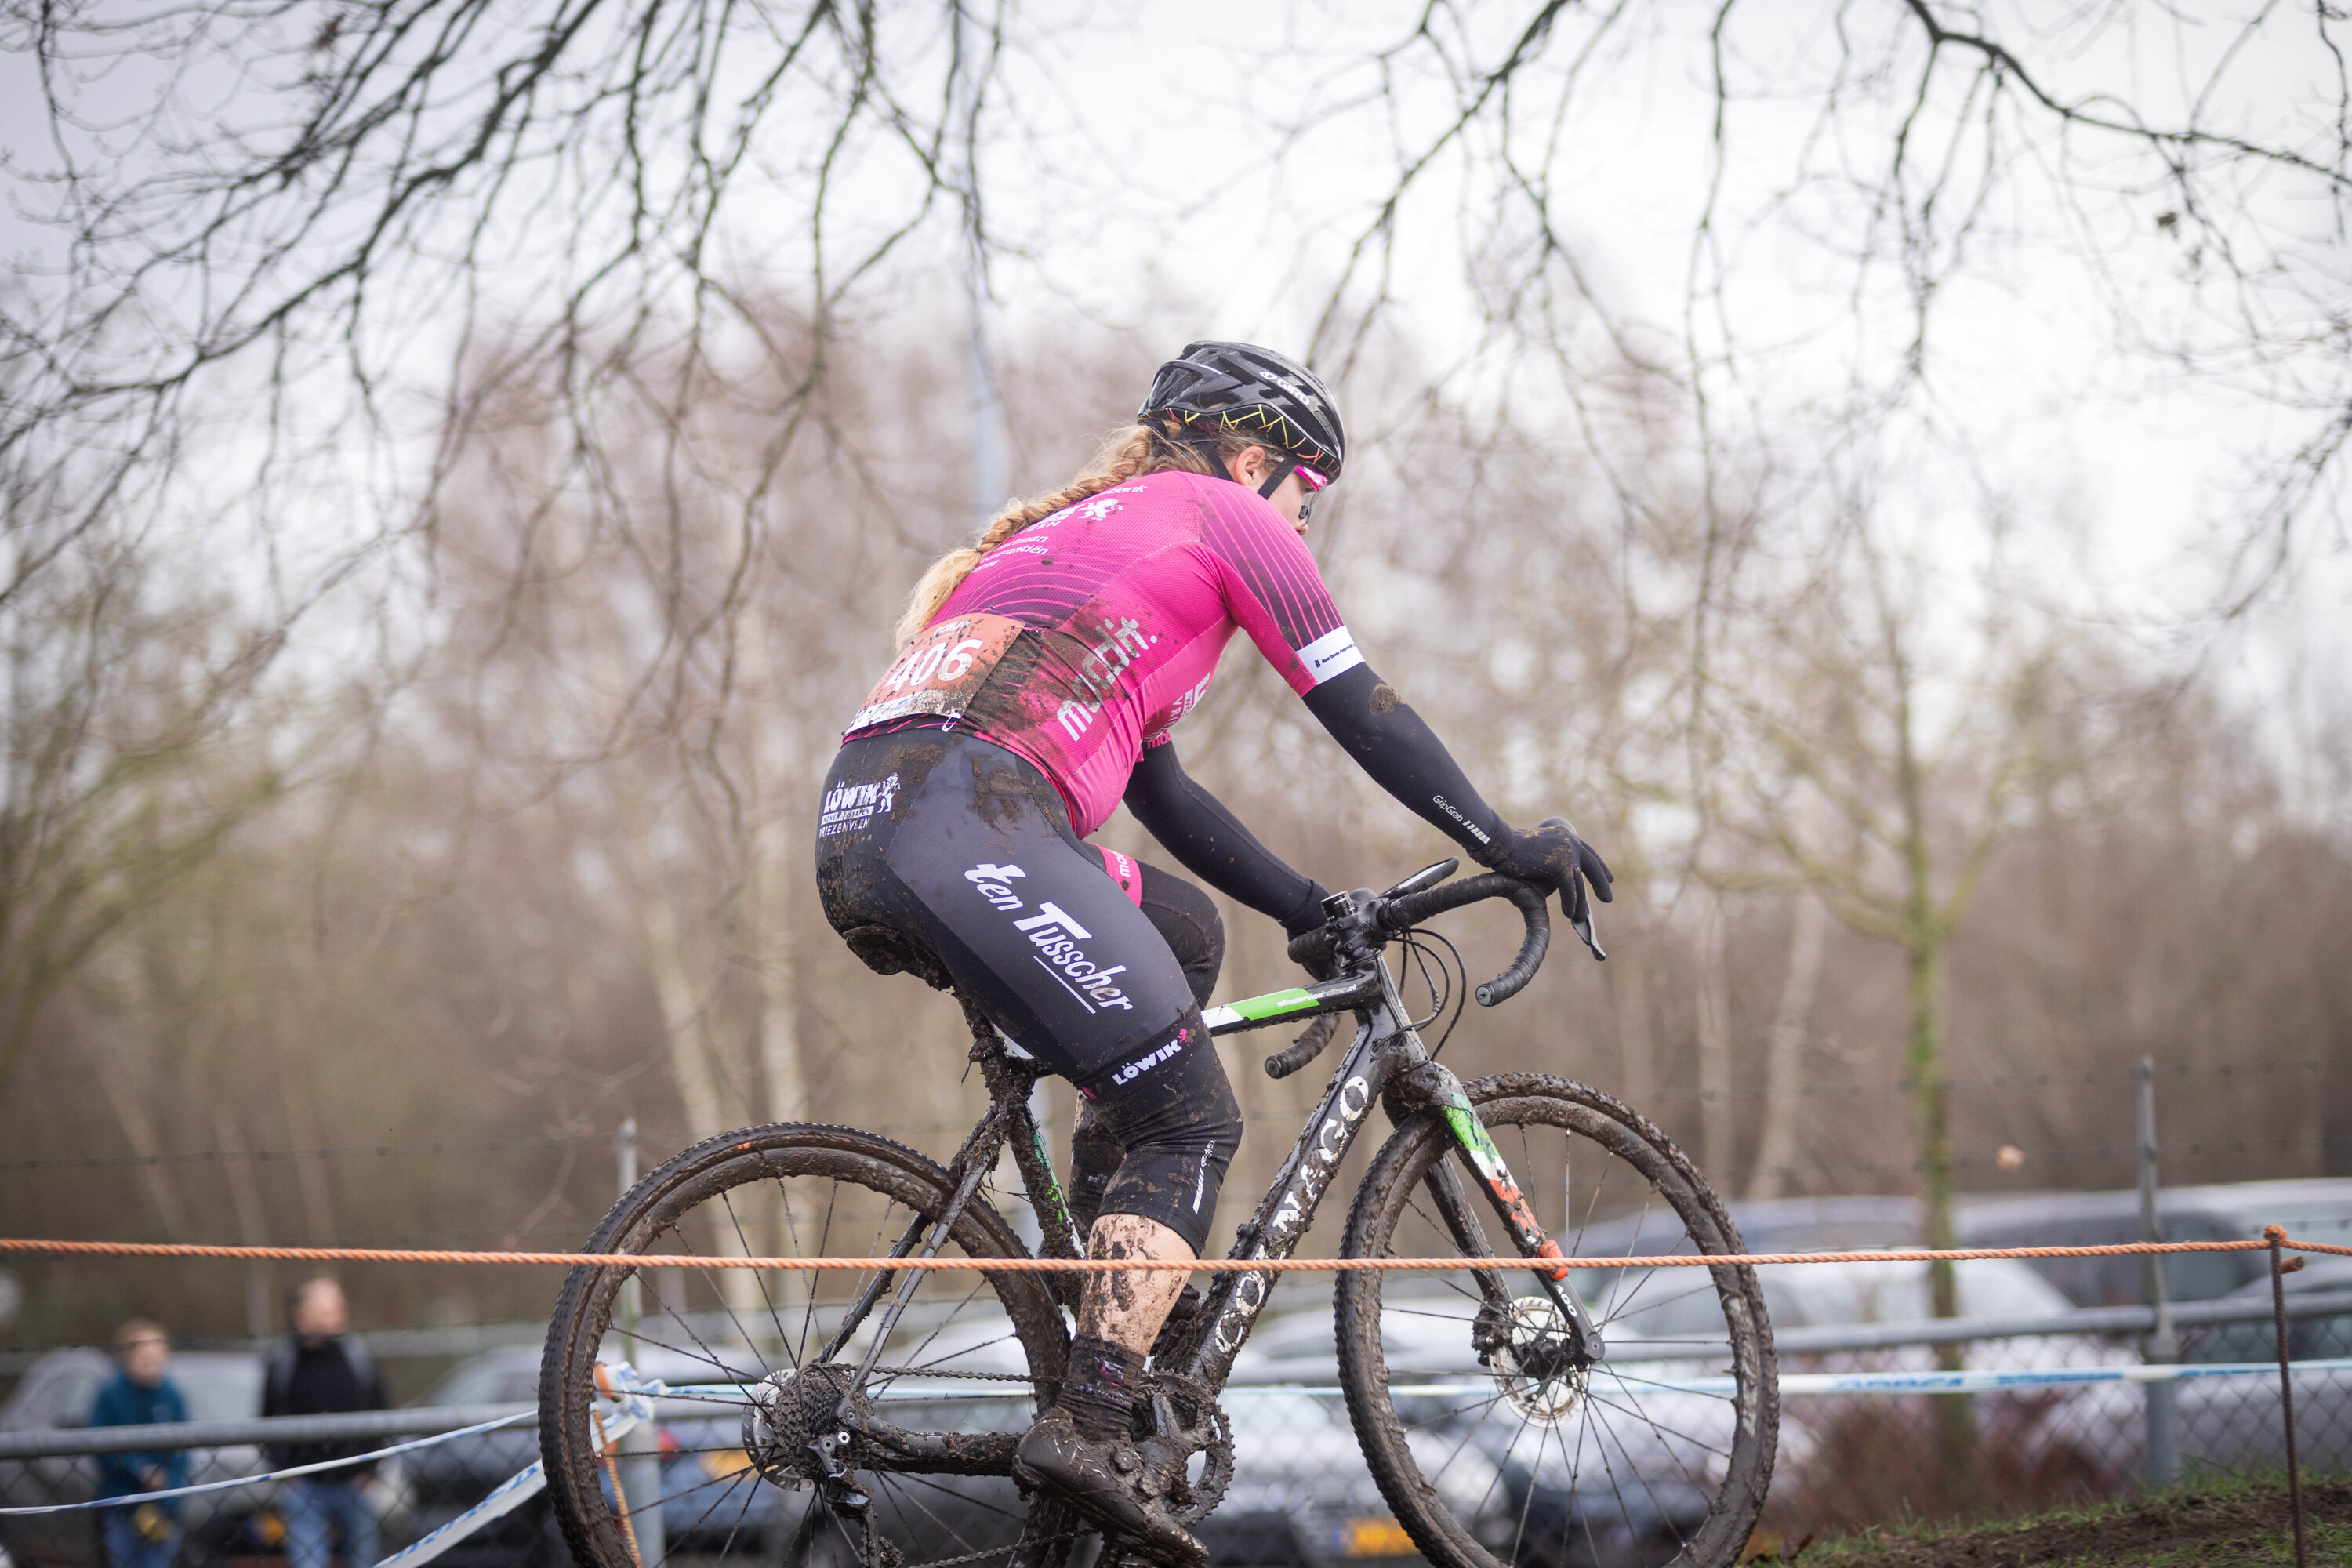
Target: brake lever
point(1580, 923)
point(1582, 926)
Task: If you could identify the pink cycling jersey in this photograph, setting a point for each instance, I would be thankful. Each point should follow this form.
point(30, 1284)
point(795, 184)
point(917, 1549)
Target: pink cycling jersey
point(1125, 601)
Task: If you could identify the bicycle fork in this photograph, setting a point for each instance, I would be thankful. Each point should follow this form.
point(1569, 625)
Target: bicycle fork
point(1434, 1086)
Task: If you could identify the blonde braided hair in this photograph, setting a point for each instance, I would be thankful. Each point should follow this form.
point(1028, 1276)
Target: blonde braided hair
point(1138, 449)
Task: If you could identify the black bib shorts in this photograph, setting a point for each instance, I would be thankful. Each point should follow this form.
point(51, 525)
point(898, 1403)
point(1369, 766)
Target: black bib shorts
point(944, 856)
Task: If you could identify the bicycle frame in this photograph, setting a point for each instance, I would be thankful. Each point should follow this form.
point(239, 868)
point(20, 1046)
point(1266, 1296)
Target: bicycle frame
point(1385, 1064)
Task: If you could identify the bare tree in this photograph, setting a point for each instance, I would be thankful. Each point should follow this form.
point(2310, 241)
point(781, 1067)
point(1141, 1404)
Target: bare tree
point(1880, 175)
point(1891, 714)
point(1784, 1077)
point(284, 246)
point(135, 742)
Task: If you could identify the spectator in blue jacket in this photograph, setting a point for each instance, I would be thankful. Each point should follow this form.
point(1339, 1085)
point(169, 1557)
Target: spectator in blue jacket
point(146, 1534)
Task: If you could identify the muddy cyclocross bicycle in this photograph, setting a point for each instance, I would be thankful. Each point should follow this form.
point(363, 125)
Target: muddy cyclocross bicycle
point(1529, 1408)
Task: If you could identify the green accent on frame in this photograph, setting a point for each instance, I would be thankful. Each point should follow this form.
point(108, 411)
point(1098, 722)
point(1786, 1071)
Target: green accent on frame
point(1052, 1193)
point(1274, 1003)
point(1472, 1135)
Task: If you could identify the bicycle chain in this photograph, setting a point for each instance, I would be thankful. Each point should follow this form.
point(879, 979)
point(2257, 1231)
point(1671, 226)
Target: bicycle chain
point(994, 1552)
point(942, 1372)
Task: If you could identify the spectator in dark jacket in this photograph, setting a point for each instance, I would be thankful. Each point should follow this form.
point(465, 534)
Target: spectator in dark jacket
point(147, 1534)
point(322, 1369)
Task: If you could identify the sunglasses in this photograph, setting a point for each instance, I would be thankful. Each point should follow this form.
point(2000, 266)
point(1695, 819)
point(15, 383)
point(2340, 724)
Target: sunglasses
point(1314, 483)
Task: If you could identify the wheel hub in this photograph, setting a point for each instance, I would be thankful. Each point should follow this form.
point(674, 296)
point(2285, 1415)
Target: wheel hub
point(1535, 1363)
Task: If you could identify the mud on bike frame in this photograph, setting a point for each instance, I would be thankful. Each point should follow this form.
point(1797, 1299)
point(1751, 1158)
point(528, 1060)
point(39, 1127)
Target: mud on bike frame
point(1385, 1064)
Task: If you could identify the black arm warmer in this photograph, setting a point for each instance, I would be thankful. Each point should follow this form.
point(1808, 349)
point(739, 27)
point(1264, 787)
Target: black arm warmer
point(1405, 758)
point(1209, 842)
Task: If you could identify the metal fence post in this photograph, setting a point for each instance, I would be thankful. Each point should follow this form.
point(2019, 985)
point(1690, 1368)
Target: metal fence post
point(2162, 1346)
point(640, 1446)
point(2280, 1269)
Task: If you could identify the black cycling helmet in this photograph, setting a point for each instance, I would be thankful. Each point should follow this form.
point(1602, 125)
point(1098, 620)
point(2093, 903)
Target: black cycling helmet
point(1243, 389)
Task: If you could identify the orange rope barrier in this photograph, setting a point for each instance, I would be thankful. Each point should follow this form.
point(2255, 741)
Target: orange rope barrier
point(1095, 1265)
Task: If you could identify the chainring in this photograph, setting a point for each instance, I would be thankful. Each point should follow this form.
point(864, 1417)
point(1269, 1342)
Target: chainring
point(1183, 1419)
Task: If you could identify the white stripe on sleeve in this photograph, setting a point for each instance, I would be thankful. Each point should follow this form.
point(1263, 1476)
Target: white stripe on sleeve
point(1333, 653)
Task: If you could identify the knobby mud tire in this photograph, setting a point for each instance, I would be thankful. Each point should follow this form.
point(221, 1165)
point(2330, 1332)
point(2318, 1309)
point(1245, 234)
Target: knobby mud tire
point(584, 1312)
point(1391, 1182)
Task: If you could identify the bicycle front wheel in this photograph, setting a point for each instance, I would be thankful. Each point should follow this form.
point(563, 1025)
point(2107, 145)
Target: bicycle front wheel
point(974, 1355)
point(1493, 1444)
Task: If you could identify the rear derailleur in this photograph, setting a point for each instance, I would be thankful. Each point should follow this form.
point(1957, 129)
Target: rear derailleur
point(795, 1437)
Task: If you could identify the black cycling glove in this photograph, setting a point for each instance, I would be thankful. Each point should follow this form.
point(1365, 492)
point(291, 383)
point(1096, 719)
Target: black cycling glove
point(1309, 917)
point(1554, 859)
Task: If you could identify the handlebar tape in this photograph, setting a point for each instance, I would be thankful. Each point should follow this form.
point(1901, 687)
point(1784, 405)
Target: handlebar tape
point(1304, 1049)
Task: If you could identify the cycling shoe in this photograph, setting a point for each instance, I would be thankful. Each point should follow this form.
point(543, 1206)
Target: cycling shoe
point(1099, 1480)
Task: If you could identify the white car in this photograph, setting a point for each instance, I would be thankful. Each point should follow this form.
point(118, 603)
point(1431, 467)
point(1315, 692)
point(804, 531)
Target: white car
point(1872, 1456)
point(2234, 1423)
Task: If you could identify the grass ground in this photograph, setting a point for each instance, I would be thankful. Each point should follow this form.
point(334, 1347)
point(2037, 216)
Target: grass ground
point(2240, 1525)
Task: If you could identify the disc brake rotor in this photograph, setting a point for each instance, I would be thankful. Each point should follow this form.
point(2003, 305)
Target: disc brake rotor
point(1533, 1365)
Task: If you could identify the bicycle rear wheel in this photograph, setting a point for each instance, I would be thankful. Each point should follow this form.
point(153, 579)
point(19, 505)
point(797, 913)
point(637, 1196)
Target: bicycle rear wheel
point(976, 1354)
point(1512, 1454)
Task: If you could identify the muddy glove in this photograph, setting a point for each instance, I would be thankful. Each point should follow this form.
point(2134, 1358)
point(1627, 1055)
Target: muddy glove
point(1305, 917)
point(1551, 857)
point(1305, 920)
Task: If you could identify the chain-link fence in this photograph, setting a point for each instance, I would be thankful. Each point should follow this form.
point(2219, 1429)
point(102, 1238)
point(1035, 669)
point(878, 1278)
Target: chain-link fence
point(1301, 1493)
point(411, 1494)
point(1855, 1458)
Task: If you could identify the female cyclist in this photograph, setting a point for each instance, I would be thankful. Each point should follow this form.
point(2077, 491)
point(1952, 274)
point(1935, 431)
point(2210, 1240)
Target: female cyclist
point(1039, 676)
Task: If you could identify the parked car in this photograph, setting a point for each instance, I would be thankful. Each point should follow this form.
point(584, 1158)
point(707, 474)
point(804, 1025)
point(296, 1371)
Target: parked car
point(1871, 1457)
point(2315, 1210)
point(1302, 1493)
point(2318, 1210)
point(56, 1391)
point(2234, 1423)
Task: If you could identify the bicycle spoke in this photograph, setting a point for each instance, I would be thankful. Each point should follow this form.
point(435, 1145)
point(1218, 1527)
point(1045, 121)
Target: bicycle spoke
point(1649, 1489)
point(1614, 1469)
point(718, 1290)
point(709, 1331)
point(1635, 1411)
point(758, 1278)
point(737, 1482)
point(741, 1513)
point(955, 1534)
point(898, 1476)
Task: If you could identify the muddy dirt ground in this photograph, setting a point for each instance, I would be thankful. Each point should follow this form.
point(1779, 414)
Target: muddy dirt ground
point(2231, 1527)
